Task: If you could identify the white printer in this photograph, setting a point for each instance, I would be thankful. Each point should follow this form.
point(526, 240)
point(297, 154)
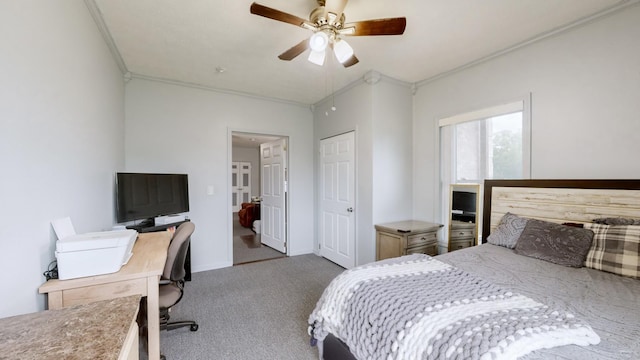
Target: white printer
point(89, 254)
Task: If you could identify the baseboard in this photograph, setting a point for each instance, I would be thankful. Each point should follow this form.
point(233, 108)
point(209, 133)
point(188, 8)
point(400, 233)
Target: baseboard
point(212, 266)
point(301, 252)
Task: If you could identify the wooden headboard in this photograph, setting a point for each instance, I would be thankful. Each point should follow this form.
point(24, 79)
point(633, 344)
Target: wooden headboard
point(559, 200)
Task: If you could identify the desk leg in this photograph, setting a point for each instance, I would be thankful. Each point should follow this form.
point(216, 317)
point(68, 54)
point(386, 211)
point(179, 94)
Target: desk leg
point(153, 317)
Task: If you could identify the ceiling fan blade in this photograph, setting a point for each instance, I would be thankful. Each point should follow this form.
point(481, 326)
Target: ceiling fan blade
point(278, 15)
point(390, 26)
point(351, 61)
point(295, 50)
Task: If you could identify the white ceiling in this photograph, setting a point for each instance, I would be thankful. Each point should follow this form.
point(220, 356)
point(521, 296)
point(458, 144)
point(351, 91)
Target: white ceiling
point(184, 41)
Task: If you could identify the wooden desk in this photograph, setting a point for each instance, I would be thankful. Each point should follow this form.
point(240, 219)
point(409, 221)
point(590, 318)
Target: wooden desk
point(139, 277)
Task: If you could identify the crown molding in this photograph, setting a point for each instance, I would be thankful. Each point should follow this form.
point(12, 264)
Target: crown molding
point(217, 90)
point(106, 35)
point(371, 77)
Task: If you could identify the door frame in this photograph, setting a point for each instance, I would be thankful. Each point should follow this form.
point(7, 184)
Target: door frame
point(230, 132)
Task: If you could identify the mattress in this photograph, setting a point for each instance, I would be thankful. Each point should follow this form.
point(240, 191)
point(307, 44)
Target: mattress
point(609, 303)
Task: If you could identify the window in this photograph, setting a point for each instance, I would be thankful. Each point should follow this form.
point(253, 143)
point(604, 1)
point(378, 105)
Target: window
point(491, 143)
point(489, 149)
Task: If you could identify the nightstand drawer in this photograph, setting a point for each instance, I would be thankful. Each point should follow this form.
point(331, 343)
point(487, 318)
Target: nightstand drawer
point(460, 244)
point(431, 249)
point(421, 239)
point(461, 233)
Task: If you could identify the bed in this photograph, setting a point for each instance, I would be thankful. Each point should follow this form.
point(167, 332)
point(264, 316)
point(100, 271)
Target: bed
point(603, 308)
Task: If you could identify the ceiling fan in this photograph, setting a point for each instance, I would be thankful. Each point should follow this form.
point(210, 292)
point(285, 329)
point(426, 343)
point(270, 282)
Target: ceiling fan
point(327, 21)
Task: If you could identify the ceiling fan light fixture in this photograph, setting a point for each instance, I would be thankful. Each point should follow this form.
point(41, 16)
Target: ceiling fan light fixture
point(343, 51)
point(318, 41)
point(317, 57)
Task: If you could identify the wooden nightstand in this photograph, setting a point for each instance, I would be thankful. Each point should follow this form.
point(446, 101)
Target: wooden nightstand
point(406, 237)
point(461, 235)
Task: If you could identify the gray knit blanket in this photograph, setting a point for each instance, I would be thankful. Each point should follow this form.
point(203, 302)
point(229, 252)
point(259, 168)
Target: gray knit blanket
point(416, 307)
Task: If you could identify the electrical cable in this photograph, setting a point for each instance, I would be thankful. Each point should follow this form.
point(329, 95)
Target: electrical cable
point(52, 271)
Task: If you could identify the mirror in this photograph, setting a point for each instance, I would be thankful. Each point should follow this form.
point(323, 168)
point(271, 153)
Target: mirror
point(464, 202)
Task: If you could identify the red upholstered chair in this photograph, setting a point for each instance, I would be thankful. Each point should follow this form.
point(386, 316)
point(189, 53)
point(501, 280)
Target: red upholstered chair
point(246, 214)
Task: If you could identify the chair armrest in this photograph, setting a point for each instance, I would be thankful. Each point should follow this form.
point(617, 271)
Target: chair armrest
point(164, 282)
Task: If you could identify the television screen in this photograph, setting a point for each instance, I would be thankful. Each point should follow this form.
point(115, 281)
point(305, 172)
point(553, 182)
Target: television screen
point(146, 196)
point(464, 202)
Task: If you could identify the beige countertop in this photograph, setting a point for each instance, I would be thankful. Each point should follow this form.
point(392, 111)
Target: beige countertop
point(91, 331)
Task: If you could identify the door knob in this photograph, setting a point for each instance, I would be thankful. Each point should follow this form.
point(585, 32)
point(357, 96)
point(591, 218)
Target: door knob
point(350, 209)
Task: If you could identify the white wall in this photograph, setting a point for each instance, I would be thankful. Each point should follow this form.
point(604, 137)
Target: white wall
point(62, 115)
point(392, 152)
point(380, 114)
point(171, 128)
point(585, 86)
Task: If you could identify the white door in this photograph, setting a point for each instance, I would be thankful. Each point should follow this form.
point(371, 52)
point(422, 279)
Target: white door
point(240, 184)
point(337, 199)
point(235, 196)
point(273, 214)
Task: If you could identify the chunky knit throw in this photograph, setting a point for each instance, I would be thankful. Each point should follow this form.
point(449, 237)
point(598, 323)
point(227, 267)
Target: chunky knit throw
point(416, 307)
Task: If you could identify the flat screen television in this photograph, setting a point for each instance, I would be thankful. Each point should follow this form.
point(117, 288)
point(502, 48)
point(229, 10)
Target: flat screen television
point(464, 201)
point(146, 196)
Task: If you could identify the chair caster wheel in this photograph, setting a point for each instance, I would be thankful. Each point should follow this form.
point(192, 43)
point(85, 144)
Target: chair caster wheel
point(194, 327)
point(162, 357)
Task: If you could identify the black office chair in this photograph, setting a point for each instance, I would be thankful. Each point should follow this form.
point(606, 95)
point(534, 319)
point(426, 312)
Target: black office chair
point(172, 279)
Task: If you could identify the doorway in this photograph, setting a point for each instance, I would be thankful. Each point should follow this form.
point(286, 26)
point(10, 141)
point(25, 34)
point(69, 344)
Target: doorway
point(253, 185)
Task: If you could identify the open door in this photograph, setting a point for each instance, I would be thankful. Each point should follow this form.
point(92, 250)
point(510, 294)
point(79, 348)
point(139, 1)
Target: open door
point(273, 208)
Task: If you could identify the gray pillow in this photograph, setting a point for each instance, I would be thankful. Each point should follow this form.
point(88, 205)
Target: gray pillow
point(559, 244)
point(508, 231)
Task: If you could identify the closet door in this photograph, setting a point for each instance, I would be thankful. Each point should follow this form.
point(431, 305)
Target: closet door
point(244, 178)
point(337, 231)
point(235, 198)
point(240, 184)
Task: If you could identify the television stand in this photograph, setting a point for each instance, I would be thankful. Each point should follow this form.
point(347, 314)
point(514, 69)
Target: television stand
point(148, 226)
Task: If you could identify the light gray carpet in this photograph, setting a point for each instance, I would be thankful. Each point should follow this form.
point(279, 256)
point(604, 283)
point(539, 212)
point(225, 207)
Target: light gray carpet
point(252, 311)
point(247, 247)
